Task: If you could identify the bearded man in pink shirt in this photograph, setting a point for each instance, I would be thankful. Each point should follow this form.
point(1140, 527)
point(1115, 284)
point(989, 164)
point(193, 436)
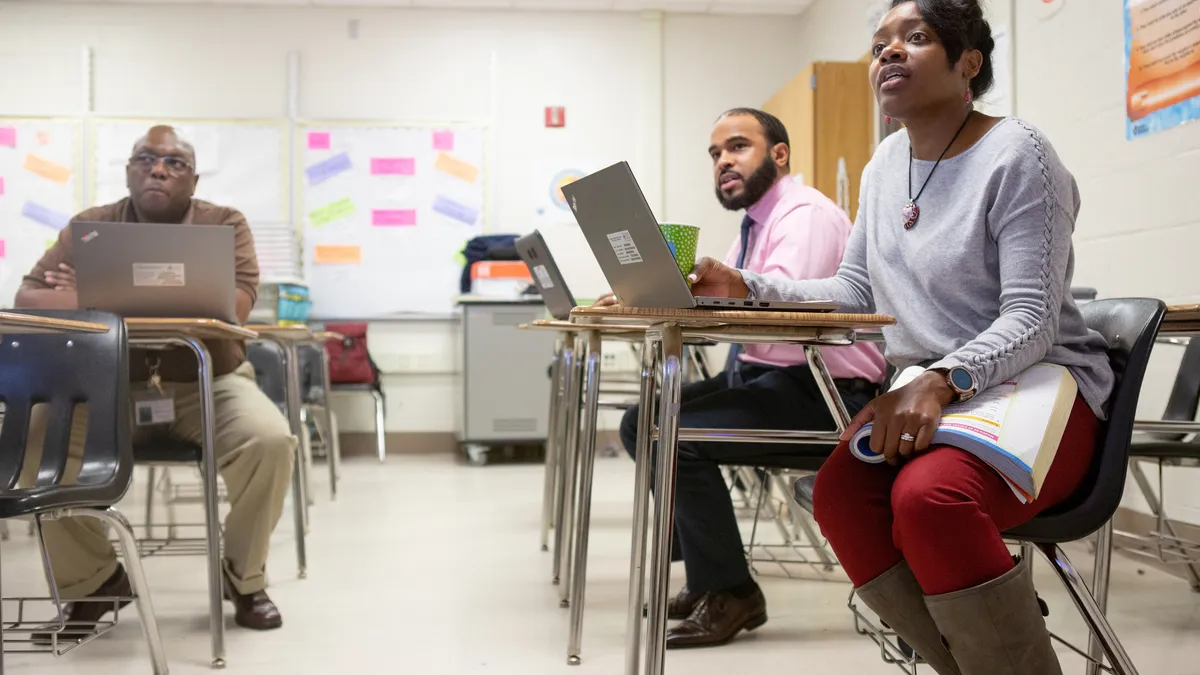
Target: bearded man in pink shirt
point(789, 230)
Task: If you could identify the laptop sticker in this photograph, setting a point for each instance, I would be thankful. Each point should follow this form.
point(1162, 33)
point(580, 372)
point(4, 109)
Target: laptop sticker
point(622, 244)
point(543, 277)
point(158, 274)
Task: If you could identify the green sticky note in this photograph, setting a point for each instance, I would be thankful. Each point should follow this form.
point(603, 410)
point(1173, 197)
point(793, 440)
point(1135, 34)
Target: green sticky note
point(460, 259)
point(331, 212)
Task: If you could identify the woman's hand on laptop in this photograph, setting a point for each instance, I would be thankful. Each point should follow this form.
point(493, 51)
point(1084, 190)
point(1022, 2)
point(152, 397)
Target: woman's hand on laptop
point(712, 279)
point(607, 300)
point(61, 279)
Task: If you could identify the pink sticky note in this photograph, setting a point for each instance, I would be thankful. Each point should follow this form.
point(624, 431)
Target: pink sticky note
point(318, 140)
point(1, 187)
point(443, 140)
point(8, 136)
point(392, 217)
point(393, 166)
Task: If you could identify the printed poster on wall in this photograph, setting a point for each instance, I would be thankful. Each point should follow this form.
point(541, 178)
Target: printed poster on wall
point(1162, 65)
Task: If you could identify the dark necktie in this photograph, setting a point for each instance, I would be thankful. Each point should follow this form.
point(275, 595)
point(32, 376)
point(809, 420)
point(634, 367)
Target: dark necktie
point(731, 362)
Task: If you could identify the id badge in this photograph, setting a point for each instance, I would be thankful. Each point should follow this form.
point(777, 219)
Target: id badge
point(152, 408)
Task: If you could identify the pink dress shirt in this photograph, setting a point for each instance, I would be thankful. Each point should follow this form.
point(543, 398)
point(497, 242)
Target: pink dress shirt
point(799, 233)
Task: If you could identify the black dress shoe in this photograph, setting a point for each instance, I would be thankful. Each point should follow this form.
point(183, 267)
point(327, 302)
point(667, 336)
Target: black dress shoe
point(255, 610)
point(717, 618)
point(83, 616)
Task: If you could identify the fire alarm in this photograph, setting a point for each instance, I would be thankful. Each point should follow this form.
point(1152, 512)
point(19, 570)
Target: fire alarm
point(556, 117)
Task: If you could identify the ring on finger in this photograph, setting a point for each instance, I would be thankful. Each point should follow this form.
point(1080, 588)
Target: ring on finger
point(907, 437)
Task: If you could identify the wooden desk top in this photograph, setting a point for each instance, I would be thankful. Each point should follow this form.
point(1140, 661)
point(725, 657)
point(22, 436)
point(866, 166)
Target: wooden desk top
point(16, 323)
point(327, 335)
point(1177, 313)
point(204, 329)
point(289, 333)
point(731, 317)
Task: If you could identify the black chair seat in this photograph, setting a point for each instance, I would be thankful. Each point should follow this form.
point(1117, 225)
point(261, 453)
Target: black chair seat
point(1166, 450)
point(167, 450)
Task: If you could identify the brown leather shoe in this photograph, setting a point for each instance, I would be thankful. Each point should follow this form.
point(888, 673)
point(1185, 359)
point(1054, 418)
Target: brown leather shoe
point(254, 611)
point(82, 617)
point(717, 619)
point(683, 604)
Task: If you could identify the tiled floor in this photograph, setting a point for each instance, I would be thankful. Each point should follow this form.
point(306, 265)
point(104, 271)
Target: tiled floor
point(429, 567)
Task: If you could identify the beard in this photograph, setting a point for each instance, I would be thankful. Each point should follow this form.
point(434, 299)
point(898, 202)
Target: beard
point(753, 188)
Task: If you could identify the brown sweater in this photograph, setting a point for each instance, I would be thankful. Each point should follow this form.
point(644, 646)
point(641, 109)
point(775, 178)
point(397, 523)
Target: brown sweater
point(177, 365)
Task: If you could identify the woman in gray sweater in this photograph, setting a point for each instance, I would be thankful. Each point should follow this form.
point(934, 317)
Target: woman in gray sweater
point(964, 235)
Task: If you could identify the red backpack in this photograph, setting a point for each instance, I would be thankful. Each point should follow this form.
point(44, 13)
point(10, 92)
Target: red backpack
point(349, 360)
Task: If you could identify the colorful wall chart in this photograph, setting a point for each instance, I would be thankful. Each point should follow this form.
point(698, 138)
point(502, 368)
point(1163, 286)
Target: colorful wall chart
point(39, 192)
point(385, 210)
point(1162, 65)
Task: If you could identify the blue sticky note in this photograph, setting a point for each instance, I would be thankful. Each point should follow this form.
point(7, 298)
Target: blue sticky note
point(461, 212)
point(46, 216)
point(326, 169)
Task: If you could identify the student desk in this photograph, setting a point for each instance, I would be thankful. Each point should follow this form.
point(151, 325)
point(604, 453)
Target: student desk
point(662, 357)
point(161, 333)
point(16, 323)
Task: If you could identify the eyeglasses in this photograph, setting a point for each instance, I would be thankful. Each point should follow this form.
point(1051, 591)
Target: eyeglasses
point(146, 161)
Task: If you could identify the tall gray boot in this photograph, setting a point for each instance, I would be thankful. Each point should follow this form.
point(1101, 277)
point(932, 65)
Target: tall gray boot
point(997, 628)
point(897, 598)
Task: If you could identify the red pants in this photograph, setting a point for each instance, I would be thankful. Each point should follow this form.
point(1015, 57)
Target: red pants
point(942, 511)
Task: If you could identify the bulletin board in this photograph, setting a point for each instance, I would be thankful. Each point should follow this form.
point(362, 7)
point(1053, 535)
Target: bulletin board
point(40, 165)
point(241, 164)
point(386, 209)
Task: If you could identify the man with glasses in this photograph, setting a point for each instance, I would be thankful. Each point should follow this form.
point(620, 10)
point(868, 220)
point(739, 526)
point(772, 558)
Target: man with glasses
point(254, 444)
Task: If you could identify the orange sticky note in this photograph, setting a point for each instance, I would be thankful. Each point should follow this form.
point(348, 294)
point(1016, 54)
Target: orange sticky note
point(337, 255)
point(456, 167)
point(47, 169)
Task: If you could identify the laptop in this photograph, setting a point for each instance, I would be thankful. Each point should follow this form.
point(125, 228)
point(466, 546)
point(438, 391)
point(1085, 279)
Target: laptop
point(156, 270)
point(624, 236)
point(549, 281)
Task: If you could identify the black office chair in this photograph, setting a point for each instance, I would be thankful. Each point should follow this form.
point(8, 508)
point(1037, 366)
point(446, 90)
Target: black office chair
point(62, 372)
point(1170, 449)
point(1130, 327)
point(269, 363)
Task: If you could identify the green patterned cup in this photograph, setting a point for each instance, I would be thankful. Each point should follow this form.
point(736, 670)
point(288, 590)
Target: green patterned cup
point(681, 239)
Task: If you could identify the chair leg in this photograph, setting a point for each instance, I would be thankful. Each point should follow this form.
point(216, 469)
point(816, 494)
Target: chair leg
point(150, 501)
point(1091, 612)
point(306, 465)
point(137, 578)
point(335, 450)
point(1157, 510)
point(380, 429)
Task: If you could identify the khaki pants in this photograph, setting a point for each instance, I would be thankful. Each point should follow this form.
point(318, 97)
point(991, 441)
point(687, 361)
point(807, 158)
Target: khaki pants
point(255, 450)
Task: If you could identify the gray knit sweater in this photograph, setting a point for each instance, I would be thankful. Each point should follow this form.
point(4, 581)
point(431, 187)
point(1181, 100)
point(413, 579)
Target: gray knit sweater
point(983, 279)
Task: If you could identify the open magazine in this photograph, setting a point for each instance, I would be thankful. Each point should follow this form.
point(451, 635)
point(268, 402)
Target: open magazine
point(1014, 426)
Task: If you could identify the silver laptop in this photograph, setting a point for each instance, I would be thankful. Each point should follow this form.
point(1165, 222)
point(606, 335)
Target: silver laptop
point(623, 234)
point(155, 270)
point(549, 281)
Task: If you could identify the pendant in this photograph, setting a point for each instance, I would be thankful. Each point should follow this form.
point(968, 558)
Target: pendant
point(911, 212)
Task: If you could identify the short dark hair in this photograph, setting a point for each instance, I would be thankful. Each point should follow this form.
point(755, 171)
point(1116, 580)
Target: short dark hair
point(772, 127)
point(960, 26)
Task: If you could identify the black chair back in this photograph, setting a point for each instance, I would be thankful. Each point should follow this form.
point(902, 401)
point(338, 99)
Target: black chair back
point(269, 370)
point(1185, 393)
point(63, 371)
point(312, 372)
point(1130, 327)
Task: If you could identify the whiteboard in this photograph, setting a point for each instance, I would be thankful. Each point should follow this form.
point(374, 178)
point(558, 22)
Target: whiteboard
point(40, 163)
point(243, 164)
point(386, 209)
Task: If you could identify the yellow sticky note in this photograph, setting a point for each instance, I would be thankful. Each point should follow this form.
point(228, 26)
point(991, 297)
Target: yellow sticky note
point(337, 255)
point(47, 169)
point(456, 167)
point(50, 242)
point(331, 212)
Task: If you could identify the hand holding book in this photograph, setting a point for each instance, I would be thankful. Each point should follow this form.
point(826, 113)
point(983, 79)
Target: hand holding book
point(911, 409)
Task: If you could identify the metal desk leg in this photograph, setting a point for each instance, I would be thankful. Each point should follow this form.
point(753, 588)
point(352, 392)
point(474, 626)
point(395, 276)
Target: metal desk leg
point(212, 515)
point(299, 472)
point(641, 498)
point(551, 447)
point(1104, 547)
point(829, 391)
point(587, 465)
point(571, 475)
point(565, 409)
point(333, 448)
point(664, 495)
